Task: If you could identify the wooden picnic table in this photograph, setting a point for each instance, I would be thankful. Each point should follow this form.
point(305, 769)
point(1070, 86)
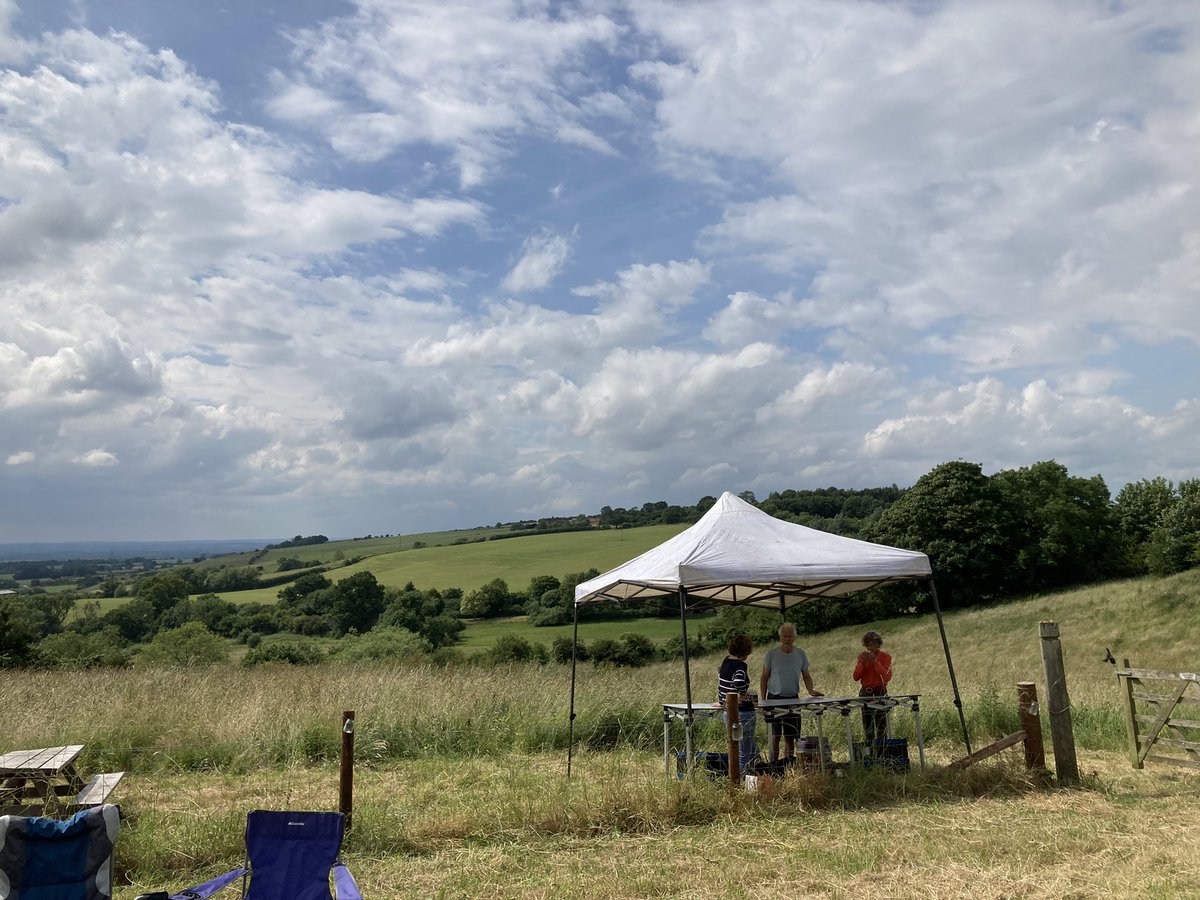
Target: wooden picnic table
point(46, 781)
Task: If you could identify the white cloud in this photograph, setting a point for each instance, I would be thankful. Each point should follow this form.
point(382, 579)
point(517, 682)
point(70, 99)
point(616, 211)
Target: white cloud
point(20, 458)
point(963, 168)
point(395, 73)
point(542, 259)
point(97, 458)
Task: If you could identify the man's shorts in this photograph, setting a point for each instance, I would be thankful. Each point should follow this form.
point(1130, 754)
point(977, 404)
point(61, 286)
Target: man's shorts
point(785, 726)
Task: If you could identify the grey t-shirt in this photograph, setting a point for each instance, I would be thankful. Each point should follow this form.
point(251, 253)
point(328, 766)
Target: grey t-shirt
point(785, 669)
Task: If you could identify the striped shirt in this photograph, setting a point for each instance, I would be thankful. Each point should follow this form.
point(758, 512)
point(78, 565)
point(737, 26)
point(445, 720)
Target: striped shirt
point(733, 678)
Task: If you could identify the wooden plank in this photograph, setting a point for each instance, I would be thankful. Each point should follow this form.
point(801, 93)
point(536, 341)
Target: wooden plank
point(1003, 744)
point(98, 788)
point(1175, 761)
point(1161, 675)
point(1178, 723)
point(1191, 746)
point(64, 757)
point(1164, 698)
point(1162, 720)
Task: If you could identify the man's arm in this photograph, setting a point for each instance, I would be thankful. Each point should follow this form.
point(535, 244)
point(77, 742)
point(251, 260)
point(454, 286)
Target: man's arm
point(762, 682)
point(808, 683)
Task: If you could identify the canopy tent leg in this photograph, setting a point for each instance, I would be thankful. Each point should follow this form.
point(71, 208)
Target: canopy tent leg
point(687, 673)
point(937, 608)
point(571, 721)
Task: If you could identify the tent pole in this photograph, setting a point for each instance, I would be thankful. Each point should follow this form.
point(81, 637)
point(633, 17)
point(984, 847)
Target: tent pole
point(687, 672)
point(950, 665)
point(571, 721)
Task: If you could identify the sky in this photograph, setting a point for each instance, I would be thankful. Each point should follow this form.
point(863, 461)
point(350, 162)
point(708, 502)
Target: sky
point(289, 267)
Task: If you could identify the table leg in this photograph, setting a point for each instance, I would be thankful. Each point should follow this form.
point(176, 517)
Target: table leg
point(821, 743)
point(849, 735)
point(772, 747)
point(887, 721)
point(917, 734)
point(691, 755)
point(666, 746)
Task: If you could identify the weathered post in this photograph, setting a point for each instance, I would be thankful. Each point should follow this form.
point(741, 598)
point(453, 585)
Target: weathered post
point(733, 737)
point(346, 760)
point(1065, 765)
point(1031, 724)
point(1131, 724)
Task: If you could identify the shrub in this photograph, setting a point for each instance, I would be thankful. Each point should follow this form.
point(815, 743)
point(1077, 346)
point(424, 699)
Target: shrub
point(560, 651)
point(188, 645)
point(605, 650)
point(296, 653)
point(636, 650)
point(514, 648)
point(632, 650)
point(71, 650)
point(672, 647)
point(383, 644)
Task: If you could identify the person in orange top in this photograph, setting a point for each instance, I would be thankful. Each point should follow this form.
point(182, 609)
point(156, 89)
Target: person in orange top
point(873, 672)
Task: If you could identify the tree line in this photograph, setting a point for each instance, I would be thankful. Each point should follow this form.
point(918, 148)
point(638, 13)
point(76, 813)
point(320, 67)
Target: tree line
point(989, 538)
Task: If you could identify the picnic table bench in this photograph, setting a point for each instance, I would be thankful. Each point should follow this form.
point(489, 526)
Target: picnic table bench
point(45, 781)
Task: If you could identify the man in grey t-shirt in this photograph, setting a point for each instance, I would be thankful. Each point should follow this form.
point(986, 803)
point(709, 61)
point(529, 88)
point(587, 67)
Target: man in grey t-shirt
point(783, 669)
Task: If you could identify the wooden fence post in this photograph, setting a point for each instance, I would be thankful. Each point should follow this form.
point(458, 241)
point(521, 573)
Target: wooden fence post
point(1059, 705)
point(346, 763)
point(733, 717)
point(1031, 724)
point(1131, 725)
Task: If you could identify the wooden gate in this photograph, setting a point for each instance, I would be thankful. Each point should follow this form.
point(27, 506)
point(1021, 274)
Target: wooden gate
point(1162, 713)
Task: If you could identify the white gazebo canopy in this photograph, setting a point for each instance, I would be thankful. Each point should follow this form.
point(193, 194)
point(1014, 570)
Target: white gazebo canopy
point(740, 555)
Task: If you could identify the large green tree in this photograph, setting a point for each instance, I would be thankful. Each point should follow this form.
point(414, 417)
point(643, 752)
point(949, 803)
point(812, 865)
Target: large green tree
point(1067, 532)
point(356, 602)
point(490, 600)
point(163, 591)
point(1175, 544)
point(963, 522)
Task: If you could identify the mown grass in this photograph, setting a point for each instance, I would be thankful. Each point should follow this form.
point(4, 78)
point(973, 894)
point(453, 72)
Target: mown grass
point(513, 826)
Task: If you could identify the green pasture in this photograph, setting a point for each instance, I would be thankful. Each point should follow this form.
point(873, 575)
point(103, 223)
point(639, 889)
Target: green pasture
point(516, 560)
point(332, 551)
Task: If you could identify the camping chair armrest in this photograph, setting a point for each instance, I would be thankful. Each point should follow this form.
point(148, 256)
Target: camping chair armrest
point(200, 891)
point(343, 883)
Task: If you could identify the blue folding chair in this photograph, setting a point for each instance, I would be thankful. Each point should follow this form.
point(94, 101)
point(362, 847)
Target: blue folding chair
point(59, 859)
point(290, 856)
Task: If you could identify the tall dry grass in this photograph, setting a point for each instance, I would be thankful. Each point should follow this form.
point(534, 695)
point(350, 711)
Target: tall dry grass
point(235, 718)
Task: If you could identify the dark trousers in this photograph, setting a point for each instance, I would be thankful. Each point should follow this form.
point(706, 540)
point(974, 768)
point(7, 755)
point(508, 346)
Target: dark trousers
point(874, 720)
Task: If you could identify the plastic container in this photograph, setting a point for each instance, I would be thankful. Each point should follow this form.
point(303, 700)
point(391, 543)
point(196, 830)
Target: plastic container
point(891, 753)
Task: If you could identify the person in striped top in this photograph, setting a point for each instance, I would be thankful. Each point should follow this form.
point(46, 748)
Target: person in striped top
point(734, 678)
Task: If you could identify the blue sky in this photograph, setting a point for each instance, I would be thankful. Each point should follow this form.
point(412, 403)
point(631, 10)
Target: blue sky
point(383, 266)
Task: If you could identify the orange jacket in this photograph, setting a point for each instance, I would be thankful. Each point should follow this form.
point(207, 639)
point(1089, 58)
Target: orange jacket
point(874, 674)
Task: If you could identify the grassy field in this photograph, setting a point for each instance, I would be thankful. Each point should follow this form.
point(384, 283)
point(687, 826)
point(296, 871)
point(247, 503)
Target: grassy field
point(516, 560)
point(513, 826)
point(348, 549)
point(460, 788)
